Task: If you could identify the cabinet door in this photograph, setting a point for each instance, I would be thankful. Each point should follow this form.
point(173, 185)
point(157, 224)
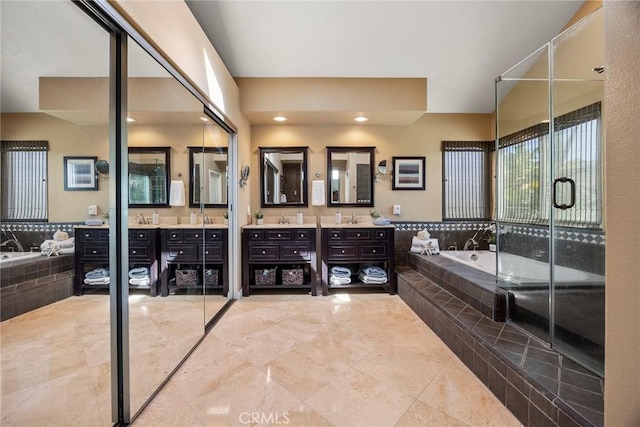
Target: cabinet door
point(279, 235)
point(139, 235)
point(95, 252)
point(357, 234)
point(256, 235)
point(302, 235)
point(174, 235)
point(212, 253)
point(138, 252)
point(192, 235)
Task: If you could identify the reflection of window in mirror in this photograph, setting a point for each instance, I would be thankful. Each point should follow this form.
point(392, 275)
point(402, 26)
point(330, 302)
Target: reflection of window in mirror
point(149, 176)
point(283, 174)
point(208, 177)
point(351, 172)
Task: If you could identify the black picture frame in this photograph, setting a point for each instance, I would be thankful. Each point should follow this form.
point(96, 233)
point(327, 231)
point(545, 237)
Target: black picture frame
point(409, 173)
point(80, 173)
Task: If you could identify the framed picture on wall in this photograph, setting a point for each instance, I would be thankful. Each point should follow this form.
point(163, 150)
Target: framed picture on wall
point(80, 174)
point(409, 173)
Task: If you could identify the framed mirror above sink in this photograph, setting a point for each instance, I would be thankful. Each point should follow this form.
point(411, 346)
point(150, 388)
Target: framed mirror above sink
point(283, 177)
point(350, 176)
point(149, 177)
point(208, 177)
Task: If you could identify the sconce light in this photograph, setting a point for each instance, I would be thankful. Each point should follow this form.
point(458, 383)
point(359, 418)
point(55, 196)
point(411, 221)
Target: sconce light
point(244, 175)
point(102, 167)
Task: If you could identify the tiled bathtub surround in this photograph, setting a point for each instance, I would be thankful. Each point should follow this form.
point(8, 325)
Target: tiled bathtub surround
point(538, 385)
point(32, 234)
point(471, 286)
point(35, 283)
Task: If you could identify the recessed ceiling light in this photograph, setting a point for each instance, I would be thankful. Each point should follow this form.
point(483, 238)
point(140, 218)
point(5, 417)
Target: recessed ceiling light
point(280, 119)
point(361, 119)
point(130, 119)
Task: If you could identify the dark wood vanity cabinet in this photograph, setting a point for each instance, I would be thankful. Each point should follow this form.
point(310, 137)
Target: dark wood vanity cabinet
point(354, 247)
point(195, 249)
point(278, 252)
point(92, 252)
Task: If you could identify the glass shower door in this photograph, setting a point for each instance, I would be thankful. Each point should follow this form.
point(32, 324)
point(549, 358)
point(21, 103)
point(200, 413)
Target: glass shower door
point(576, 193)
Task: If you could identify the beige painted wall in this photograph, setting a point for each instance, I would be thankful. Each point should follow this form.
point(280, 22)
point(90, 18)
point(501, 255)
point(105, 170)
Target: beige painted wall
point(421, 139)
point(622, 334)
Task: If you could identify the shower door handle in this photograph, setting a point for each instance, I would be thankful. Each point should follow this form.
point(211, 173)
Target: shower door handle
point(572, 183)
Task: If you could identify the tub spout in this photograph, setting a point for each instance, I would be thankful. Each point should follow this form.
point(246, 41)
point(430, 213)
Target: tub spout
point(15, 245)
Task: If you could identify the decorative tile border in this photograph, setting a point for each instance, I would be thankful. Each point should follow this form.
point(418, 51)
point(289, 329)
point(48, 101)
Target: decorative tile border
point(38, 226)
point(595, 237)
point(441, 226)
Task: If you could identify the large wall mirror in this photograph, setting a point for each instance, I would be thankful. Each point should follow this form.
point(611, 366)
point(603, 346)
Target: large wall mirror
point(208, 177)
point(350, 176)
point(149, 177)
point(283, 176)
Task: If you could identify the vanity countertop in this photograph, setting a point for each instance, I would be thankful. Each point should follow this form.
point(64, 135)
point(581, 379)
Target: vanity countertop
point(309, 221)
point(276, 225)
point(362, 222)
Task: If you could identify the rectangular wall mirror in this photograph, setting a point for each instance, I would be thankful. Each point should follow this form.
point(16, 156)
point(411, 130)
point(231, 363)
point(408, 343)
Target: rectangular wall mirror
point(283, 177)
point(208, 177)
point(149, 177)
point(350, 176)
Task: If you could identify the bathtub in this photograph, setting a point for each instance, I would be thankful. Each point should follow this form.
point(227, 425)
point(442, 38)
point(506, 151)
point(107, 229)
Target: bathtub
point(10, 258)
point(518, 270)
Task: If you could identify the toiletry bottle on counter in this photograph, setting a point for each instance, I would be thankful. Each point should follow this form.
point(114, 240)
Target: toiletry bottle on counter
point(338, 217)
point(299, 218)
point(156, 217)
point(192, 218)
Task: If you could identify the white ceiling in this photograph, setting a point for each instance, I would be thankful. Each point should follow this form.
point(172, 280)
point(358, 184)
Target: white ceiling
point(459, 46)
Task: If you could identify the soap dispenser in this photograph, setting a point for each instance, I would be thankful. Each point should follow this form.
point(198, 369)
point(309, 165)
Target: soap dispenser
point(338, 217)
point(299, 218)
point(192, 218)
point(155, 217)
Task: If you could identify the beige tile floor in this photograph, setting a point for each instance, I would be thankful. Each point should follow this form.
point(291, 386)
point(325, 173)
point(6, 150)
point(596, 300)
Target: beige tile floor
point(55, 360)
point(341, 360)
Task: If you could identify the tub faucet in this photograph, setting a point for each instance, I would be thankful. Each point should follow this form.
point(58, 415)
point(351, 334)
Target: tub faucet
point(16, 246)
point(471, 241)
point(141, 219)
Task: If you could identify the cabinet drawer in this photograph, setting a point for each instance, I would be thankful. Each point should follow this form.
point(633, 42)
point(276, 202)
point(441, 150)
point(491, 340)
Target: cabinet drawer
point(334, 235)
point(303, 235)
point(294, 252)
point(174, 235)
point(279, 235)
point(182, 253)
point(343, 251)
point(213, 235)
point(264, 252)
point(212, 253)
point(138, 252)
point(192, 235)
point(381, 234)
point(357, 234)
point(256, 235)
point(92, 235)
point(95, 252)
point(139, 235)
point(373, 251)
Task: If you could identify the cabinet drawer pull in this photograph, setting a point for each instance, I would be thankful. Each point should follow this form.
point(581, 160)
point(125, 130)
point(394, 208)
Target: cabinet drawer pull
point(374, 251)
point(197, 235)
point(87, 235)
point(279, 235)
point(295, 252)
point(173, 236)
point(140, 235)
point(358, 234)
point(206, 252)
point(181, 252)
point(343, 251)
point(255, 236)
point(95, 252)
point(134, 252)
point(264, 252)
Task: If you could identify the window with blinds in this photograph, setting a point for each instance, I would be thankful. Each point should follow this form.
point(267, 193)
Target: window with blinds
point(466, 186)
point(527, 166)
point(24, 180)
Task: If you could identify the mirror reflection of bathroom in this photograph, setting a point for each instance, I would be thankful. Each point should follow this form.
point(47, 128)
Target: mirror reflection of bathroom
point(149, 176)
point(283, 176)
point(351, 176)
point(209, 177)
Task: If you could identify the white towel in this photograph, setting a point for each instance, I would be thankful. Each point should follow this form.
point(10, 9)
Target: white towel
point(176, 194)
point(317, 193)
point(69, 243)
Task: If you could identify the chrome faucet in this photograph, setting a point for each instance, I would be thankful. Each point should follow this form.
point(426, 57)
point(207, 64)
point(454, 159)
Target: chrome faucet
point(141, 219)
point(471, 241)
point(205, 219)
point(283, 220)
point(353, 219)
point(12, 242)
